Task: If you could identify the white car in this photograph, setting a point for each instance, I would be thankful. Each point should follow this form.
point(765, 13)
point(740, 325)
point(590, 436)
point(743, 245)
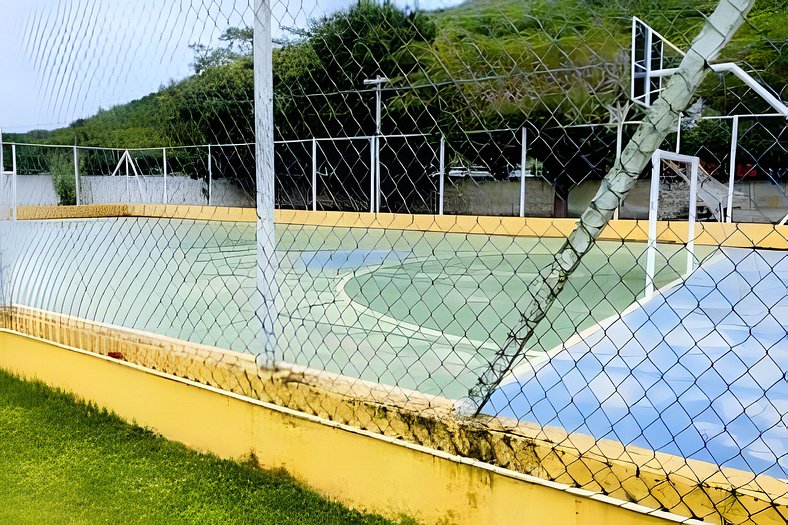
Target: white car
point(475, 172)
point(515, 174)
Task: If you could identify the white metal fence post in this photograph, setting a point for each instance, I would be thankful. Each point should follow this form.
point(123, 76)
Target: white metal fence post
point(378, 114)
point(164, 164)
point(523, 146)
point(314, 174)
point(442, 175)
point(3, 179)
point(693, 214)
point(264, 173)
point(210, 174)
point(3, 299)
point(76, 175)
point(128, 189)
point(377, 174)
point(732, 168)
point(653, 203)
point(372, 175)
point(13, 181)
point(378, 82)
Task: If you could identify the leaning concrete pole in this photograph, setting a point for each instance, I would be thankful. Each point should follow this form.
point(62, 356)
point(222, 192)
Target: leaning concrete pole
point(661, 120)
point(264, 174)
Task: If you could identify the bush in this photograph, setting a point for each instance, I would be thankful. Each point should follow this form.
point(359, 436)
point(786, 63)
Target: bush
point(61, 166)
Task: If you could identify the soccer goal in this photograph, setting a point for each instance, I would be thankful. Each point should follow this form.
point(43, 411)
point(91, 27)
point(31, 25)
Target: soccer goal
point(128, 163)
point(676, 163)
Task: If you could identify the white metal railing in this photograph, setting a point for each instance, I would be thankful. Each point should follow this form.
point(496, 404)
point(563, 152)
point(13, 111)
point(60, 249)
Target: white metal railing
point(374, 141)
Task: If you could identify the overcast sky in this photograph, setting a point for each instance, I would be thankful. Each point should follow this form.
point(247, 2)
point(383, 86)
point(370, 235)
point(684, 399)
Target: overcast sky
point(64, 59)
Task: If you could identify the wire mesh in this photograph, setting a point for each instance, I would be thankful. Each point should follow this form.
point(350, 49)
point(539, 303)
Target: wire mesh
point(452, 205)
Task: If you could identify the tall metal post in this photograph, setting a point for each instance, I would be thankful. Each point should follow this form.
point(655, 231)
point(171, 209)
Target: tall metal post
point(13, 181)
point(314, 174)
point(372, 175)
point(678, 135)
point(377, 145)
point(378, 82)
point(164, 164)
point(2, 217)
point(693, 214)
point(619, 145)
point(523, 146)
point(264, 172)
point(2, 170)
point(377, 174)
point(732, 167)
point(653, 205)
point(442, 175)
point(210, 174)
point(128, 189)
point(2, 165)
point(646, 79)
point(76, 174)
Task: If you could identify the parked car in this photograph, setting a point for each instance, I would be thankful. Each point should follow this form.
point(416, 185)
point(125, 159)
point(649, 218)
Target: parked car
point(474, 172)
point(533, 168)
point(515, 173)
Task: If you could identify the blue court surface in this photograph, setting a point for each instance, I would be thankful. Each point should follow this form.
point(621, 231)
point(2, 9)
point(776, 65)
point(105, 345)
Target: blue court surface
point(701, 370)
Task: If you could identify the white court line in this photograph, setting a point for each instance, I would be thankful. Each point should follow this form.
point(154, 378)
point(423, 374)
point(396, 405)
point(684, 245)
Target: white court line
point(429, 332)
point(540, 359)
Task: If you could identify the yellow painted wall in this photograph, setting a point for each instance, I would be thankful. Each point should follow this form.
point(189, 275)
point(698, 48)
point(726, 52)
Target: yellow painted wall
point(358, 469)
point(696, 488)
point(706, 233)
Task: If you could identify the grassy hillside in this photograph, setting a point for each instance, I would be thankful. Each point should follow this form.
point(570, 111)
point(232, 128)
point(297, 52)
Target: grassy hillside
point(484, 64)
point(135, 124)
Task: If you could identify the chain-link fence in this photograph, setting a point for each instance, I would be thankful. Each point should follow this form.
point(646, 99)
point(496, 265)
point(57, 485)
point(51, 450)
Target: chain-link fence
point(412, 173)
point(539, 234)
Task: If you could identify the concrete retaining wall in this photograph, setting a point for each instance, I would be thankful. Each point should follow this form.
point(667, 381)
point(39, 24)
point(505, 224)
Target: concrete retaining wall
point(695, 488)
point(768, 202)
point(38, 190)
point(498, 197)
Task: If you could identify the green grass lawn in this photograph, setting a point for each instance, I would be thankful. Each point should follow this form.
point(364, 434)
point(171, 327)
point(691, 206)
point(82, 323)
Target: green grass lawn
point(62, 461)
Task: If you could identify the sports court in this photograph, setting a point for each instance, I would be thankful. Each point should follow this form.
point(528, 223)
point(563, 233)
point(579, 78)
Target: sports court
point(415, 309)
point(697, 371)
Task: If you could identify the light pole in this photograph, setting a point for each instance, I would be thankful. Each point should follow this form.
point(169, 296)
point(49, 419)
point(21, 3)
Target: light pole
point(374, 197)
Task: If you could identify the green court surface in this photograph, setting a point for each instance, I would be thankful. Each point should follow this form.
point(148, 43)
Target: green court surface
point(419, 310)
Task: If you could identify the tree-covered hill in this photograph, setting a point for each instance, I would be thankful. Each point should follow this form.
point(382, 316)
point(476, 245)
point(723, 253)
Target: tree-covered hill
point(483, 65)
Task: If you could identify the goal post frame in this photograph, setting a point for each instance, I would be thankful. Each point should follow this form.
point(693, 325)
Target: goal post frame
point(653, 207)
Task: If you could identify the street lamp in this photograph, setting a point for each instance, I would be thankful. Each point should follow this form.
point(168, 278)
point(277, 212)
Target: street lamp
point(374, 193)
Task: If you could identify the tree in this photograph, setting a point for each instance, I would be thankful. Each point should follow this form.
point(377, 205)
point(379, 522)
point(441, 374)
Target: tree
point(238, 45)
